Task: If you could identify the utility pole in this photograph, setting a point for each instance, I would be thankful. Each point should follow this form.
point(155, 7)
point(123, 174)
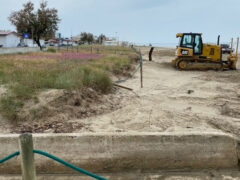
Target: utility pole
point(117, 39)
point(32, 36)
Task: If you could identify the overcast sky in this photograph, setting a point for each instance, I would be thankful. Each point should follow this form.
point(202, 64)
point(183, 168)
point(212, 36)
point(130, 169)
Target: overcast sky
point(140, 21)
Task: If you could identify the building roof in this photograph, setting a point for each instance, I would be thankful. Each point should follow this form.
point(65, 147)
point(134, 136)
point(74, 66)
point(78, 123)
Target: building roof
point(5, 33)
point(76, 38)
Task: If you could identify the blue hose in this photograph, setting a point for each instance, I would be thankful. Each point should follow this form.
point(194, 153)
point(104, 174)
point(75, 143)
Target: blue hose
point(69, 165)
point(9, 157)
point(58, 160)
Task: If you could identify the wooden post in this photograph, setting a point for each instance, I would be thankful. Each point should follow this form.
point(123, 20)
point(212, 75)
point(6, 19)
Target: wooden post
point(141, 71)
point(141, 68)
point(26, 151)
point(58, 45)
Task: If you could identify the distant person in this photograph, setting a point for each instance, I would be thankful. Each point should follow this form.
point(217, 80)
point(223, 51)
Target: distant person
point(150, 53)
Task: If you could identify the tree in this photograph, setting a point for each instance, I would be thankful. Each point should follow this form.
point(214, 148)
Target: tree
point(101, 38)
point(83, 37)
point(87, 37)
point(40, 24)
point(90, 38)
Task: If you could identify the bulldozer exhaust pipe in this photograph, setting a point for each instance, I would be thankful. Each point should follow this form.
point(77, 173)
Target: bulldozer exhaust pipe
point(237, 47)
point(231, 47)
point(218, 41)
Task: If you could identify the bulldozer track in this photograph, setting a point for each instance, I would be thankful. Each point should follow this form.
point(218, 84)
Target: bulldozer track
point(197, 64)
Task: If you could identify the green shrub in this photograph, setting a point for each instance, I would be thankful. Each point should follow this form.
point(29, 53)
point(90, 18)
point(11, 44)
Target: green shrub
point(102, 81)
point(10, 107)
point(69, 80)
point(21, 91)
point(52, 50)
point(96, 78)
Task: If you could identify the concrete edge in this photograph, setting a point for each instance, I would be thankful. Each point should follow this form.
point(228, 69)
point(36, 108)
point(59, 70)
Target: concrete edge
point(121, 152)
point(179, 133)
point(180, 175)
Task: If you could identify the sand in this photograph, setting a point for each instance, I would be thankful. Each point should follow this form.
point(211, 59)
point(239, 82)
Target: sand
point(171, 100)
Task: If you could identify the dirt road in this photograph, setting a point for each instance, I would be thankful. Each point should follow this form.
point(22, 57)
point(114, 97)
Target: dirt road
point(173, 100)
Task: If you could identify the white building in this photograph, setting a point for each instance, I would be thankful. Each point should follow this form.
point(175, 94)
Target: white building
point(110, 43)
point(115, 43)
point(9, 39)
point(32, 43)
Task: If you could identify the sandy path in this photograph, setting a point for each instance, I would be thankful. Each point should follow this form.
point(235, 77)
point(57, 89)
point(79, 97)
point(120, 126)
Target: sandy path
point(165, 104)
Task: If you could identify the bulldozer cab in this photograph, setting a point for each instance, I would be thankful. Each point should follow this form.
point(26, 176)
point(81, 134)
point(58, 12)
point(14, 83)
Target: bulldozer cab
point(191, 41)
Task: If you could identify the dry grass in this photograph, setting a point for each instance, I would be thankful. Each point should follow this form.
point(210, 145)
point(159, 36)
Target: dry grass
point(25, 75)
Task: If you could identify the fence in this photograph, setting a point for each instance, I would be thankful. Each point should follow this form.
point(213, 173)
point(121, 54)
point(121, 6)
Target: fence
point(27, 161)
point(93, 49)
point(106, 49)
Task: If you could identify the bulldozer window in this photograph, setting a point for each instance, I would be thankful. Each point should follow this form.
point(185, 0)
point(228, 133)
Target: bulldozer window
point(187, 41)
point(198, 45)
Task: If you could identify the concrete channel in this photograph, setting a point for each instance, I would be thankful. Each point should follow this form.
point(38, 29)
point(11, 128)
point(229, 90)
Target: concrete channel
point(106, 153)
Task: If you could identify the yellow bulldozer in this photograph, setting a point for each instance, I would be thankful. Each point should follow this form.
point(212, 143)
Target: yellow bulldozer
point(192, 53)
